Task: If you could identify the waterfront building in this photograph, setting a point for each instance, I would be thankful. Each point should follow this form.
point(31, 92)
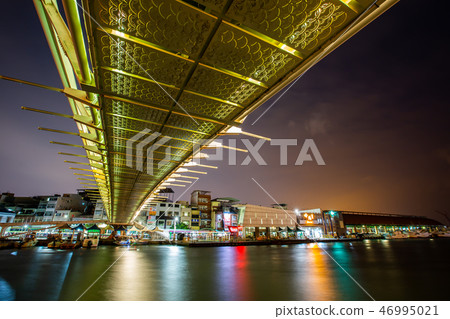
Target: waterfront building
point(99, 210)
point(225, 214)
point(61, 208)
point(183, 203)
point(24, 207)
point(195, 218)
point(163, 214)
point(311, 222)
point(185, 216)
point(216, 210)
point(40, 211)
point(348, 222)
point(258, 221)
point(64, 215)
point(50, 207)
point(6, 215)
point(202, 200)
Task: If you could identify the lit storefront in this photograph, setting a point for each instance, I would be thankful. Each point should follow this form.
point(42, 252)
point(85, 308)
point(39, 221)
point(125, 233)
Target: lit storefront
point(380, 224)
point(311, 222)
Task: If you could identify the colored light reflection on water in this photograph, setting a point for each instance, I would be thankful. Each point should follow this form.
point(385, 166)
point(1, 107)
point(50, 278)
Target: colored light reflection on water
point(388, 270)
point(319, 274)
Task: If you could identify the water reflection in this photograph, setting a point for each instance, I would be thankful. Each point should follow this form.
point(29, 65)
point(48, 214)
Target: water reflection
point(174, 271)
point(316, 280)
point(7, 293)
point(232, 279)
point(388, 270)
point(126, 280)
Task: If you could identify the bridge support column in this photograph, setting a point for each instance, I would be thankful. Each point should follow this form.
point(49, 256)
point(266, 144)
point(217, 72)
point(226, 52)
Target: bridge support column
point(268, 232)
point(256, 232)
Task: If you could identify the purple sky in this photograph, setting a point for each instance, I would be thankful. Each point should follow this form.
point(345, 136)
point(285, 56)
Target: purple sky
point(377, 108)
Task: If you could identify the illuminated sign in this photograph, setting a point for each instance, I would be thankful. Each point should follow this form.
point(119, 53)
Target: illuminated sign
point(234, 229)
point(227, 219)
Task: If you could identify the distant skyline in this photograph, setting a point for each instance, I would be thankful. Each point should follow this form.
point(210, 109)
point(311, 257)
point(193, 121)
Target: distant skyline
point(377, 108)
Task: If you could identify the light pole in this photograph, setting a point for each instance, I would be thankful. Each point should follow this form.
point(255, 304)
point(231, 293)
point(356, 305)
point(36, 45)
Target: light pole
point(331, 222)
point(175, 229)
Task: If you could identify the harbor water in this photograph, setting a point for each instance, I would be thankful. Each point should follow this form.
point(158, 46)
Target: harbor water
point(411, 269)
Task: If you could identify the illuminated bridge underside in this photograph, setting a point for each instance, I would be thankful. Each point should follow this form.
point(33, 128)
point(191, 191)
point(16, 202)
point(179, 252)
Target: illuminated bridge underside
point(191, 70)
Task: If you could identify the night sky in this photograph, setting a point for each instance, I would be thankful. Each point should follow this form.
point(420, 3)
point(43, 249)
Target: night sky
point(377, 108)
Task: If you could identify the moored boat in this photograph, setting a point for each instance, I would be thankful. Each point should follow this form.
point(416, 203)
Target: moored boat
point(397, 235)
point(144, 241)
point(412, 234)
point(55, 243)
point(29, 241)
point(70, 245)
point(90, 242)
point(124, 241)
point(443, 234)
point(423, 234)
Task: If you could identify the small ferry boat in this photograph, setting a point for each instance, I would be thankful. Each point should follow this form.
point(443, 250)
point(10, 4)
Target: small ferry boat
point(412, 234)
point(29, 241)
point(55, 243)
point(124, 241)
point(90, 242)
point(397, 235)
point(70, 245)
point(443, 234)
point(142, 241)
point(423, 234)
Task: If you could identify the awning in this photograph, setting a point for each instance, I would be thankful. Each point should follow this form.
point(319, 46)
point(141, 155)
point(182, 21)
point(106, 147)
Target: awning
point(79, 227)
point(94, 228)
point(65, 226)
point(120, 228)
point(134, 228)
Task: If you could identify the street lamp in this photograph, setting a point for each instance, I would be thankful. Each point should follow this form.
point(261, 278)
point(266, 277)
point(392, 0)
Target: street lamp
point(332, 213)
point(175, 229)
